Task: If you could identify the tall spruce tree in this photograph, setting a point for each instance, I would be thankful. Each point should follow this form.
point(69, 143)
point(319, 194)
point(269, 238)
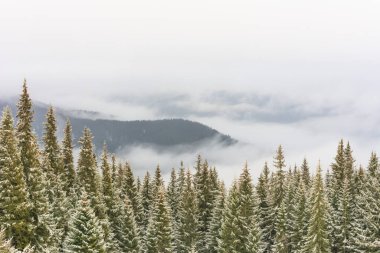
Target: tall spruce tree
point(185, 234)
point(266, 213)
point(52, 149)
point(305, 170)
point(316, 239)
point(241, 227)
point(373, 166)
point(146, 200)
point(86, 234)
point(68, 158)
point(25, 134)
point(204, 205)
point(279, 178)
point(14, 201)
point(129, 190)
point(300, 217)
point(91, 182)
point(228, 242)
point(159, 238)
point(213, 235)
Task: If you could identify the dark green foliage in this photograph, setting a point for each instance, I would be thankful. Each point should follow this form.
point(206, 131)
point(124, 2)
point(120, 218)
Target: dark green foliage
point(14, 201)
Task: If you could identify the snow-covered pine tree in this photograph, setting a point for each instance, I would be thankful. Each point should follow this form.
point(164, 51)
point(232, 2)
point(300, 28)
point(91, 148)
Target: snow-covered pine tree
point(113, 169)
point(185, 234)
point(305, 171)
point(290, 205)
point(132, 242)
point(266, 213)
point(68, 159)
point(159, 237)
point(146, 200)
point(90, 180)
point(317, 240)
point(240, 230)
point(129, 189)
point(373, 167)
point(52, 149)
point(334, 193)
point(281, 241)
point(367, 225)
point(228, 242)
point(250, 233)
point(181, 179)
point(300, 217)
point(205, 199)
point(45, 231)
point(86, 234)
point(25, 134)
point(157, 181)
point(14, 201)
point(108, 189)
point(279, 178)
point(213, 235)
point(6, 245)
point(172, 195)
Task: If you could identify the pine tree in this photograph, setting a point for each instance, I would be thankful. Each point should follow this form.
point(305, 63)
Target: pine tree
point(205, 205)
point(300, 217)
point(159, 232)
point(186, 235)
point(228, 242)
point(281, 242)
point(172, 194)
point(90, 180)
point(86, 234)
point(289, 201)
point(316, 239)
point(367, 226)
point(146, 200)
point(213, 235)
point(114, 169)
point(129, 189)
point(68, 158)
point(26, 137)
point(157, 181)
point(240, 230)
point(108, 189)
point(334, 193)
point(305, 172)
point(130, 238)
point(45, 231)
point(373, 167)
point(6, 245)
point(279, 178)
point(14, 202)
point(249, 222)
point(51, 147)
point(266, 213)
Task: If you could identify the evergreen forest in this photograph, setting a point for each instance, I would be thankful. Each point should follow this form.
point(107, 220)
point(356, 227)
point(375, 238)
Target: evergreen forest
point(51, 202)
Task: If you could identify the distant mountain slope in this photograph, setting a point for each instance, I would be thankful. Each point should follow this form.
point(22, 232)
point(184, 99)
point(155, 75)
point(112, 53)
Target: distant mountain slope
point(119, 134)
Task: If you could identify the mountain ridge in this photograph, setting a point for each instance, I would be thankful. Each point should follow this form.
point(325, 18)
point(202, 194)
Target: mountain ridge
point(118, 134)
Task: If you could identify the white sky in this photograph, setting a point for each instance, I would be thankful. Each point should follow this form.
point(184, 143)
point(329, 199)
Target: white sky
point(110, 56)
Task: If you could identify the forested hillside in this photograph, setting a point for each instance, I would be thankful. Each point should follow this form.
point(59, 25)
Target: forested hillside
point(160, 134)
point(49, 203)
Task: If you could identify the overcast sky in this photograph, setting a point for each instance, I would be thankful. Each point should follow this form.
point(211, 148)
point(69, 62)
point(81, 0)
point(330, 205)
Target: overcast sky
point(299, 73)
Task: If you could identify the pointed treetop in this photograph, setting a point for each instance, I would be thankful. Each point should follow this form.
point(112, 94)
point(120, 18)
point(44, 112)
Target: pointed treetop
point(279, 159)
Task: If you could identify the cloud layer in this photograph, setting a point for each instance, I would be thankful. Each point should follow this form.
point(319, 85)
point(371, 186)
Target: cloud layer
point(267, 72)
